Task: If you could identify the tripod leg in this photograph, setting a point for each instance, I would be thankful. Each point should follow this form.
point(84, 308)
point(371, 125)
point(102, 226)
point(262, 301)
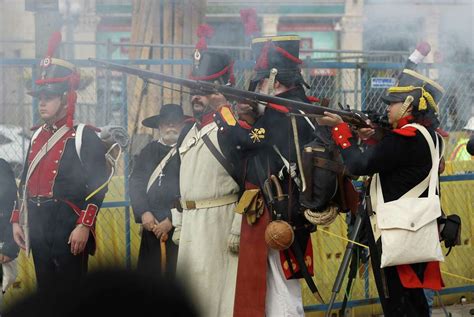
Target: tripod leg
point(352, 274)
point(375, 261)
point(344, 264)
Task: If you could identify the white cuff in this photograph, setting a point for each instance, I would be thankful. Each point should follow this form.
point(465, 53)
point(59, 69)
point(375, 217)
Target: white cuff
point(236, 224)
point(176, 217)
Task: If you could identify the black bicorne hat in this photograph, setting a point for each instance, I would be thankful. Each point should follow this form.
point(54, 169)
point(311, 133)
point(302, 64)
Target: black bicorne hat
point(426, 93)
point(279, 52)
point(170, 112)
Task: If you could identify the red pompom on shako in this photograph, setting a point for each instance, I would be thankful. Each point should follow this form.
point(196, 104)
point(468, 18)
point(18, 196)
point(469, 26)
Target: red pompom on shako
point(279, 235)
point(211, 65)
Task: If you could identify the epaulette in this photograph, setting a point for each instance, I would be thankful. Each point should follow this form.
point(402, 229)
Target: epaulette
point(224, 117)
point(36, 127)
point(406, 131)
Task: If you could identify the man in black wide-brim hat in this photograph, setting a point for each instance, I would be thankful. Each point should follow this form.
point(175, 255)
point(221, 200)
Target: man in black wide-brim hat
point(64, 179)
point(154, 189)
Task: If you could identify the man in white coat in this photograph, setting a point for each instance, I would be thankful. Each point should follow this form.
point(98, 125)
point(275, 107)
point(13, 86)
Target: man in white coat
point(208, 229)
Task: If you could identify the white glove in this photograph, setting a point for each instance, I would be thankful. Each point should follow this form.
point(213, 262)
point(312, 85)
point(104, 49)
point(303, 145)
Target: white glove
point(233, 241)
point(176, 220)
point(176, 235)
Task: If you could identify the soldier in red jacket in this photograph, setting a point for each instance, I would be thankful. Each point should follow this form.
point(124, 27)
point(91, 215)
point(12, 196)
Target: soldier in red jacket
point(64, 179)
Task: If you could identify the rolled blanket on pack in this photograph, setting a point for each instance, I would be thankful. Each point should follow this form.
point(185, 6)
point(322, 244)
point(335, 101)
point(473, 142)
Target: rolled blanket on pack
point(111, 134)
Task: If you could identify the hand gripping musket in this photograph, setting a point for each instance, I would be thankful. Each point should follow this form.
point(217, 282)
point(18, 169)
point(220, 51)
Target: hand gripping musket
point(352, 118)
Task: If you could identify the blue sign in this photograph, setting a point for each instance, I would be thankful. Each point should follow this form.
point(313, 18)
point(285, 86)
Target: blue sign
point(382, 82)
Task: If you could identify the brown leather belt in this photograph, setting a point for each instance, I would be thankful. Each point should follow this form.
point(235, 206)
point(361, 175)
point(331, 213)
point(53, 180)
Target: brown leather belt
point(330, 165)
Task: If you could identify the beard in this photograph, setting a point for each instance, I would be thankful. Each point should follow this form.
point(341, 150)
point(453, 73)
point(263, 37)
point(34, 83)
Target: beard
point(199, 109)
point(170, 136)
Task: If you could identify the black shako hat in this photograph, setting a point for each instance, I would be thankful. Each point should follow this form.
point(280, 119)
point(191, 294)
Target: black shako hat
point(52, 69)
point(209, 65)
point(279, 52)
point(168, 112)
point(56, 76)
point(426, 93)
point(213, 66)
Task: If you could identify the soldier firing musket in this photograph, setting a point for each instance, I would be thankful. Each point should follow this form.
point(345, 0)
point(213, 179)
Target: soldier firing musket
point(244, 96)
point(405, 165)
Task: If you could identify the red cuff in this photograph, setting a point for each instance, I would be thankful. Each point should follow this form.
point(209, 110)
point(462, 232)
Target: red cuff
point(15, 217)
point(341, 134)
point(87, 217)
point(278, 108)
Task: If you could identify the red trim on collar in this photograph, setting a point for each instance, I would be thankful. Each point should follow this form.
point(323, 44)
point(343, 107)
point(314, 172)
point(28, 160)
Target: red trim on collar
point(60, 122)
point(406, 131)
point(206, 119)
point(404, 121)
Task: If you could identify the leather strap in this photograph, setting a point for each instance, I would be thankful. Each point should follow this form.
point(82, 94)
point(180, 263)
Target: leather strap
point(329, 165)
point(160, 167)
point(219, 157)
point(55, 138)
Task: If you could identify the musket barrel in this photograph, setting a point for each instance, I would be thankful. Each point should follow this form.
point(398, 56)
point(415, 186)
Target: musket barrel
point(238, 94)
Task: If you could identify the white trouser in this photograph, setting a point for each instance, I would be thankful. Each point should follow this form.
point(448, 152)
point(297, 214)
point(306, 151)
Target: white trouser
point(283, 296)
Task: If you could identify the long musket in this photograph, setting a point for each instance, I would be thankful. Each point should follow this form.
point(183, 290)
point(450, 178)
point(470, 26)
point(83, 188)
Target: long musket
point(355, 119)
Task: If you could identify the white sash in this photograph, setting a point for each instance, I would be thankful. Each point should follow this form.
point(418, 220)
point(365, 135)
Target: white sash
point(408, 225)
point(55, 138)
